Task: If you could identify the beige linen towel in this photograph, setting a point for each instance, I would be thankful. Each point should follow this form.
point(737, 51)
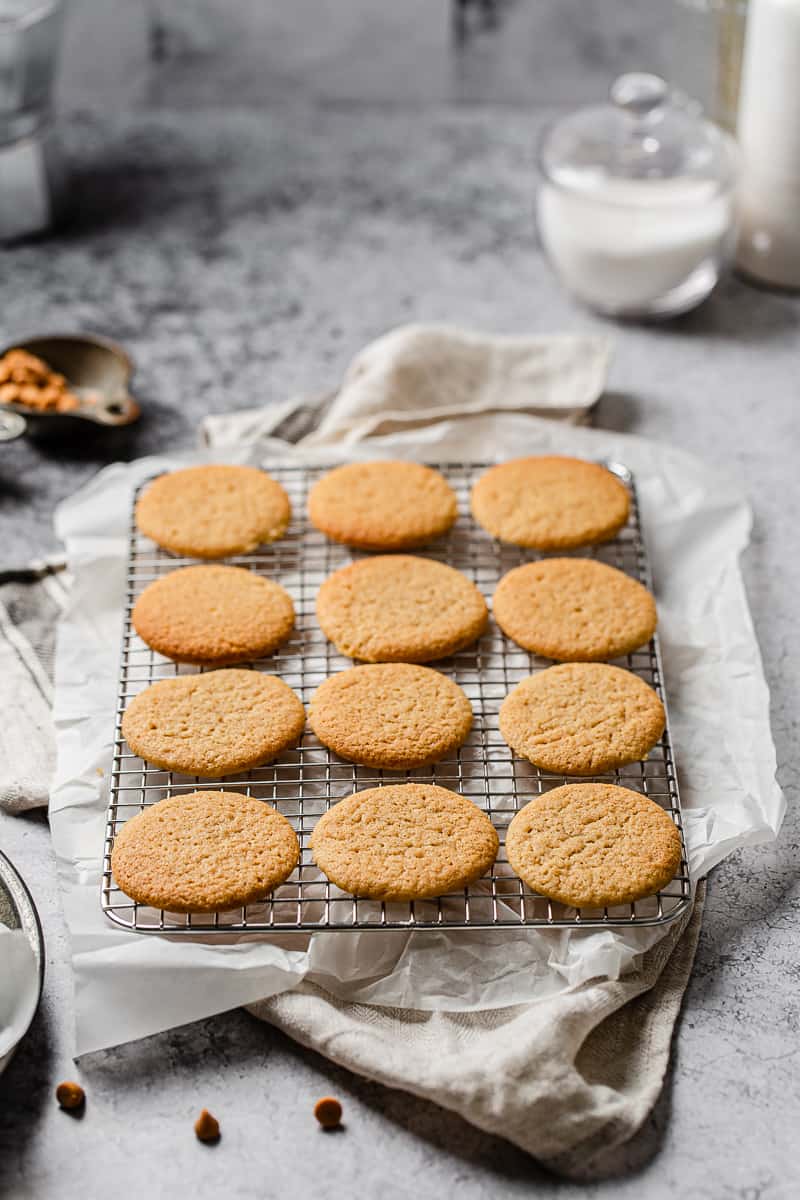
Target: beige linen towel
point(422, 373)
point(570, 1078)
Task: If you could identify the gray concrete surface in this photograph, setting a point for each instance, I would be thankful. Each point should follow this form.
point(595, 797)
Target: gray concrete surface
point(248, 212)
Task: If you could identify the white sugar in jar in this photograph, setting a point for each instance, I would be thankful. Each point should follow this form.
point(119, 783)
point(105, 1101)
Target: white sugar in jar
point(636, 210)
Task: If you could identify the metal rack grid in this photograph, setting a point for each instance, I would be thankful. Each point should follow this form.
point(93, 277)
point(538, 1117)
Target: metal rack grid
point(307, 780)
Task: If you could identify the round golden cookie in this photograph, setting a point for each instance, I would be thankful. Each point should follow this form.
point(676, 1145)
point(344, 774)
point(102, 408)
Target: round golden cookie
point(404, 842)
point(213, 724)
point(550, 502)
point(383, 505)
point(213, 615)
point(213, 511)
point(399, 608)
point(205, 852)
point(582, 718)
point(574, 609)
point(592, 844)
point(393, 716)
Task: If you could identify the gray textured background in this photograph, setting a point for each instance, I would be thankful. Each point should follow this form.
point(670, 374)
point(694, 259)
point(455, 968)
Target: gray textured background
point(258, 189)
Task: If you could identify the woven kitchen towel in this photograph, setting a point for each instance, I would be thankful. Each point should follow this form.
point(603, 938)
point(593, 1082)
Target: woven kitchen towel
point(30, 603)
point(419, 373)
point(570, 1079)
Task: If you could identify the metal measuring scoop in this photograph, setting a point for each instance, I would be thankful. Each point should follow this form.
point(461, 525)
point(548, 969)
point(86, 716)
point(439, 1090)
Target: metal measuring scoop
point(97, 371)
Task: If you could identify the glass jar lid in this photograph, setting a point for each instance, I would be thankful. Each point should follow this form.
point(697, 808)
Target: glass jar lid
point(646, 133)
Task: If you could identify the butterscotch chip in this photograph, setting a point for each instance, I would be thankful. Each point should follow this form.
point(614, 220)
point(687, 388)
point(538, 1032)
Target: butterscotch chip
point(574, 609)
point(550, 502)
point(328, 1112)
point(205, 852)
point(404, 842)
point(70, 1095)
point(382, 505)
point(589, 845)
point(206, 1127)
point(399, 608)
point(582, 718)
point(213, 511)
point(392, 716)
point(213, 615)
point(213, 724)
point(25, 376)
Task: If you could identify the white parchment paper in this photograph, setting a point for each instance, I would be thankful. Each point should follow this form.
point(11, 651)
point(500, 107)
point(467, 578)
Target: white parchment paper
point(696, 524)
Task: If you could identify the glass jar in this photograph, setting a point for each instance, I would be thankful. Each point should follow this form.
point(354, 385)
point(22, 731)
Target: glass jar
point(636, 208)
point(30, 32)
point(31, 173)
point(707, 57)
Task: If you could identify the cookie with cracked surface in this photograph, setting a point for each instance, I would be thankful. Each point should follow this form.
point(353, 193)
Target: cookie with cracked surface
point(392, 716)
point(549, 502)
point(213, 724)
point(404, 842)
point(382, 505)
point(582, 718)
point(400, 608)
point(213, 511)
point(213, 615)
point(205, 852)
point(574, 610)
point(589, 845)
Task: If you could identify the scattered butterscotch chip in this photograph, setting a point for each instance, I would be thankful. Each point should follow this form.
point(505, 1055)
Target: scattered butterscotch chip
point(328, 1112)
point(70, 1095)
point(206, 1127)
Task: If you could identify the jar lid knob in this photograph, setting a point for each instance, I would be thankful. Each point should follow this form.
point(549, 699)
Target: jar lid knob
point(639, 93)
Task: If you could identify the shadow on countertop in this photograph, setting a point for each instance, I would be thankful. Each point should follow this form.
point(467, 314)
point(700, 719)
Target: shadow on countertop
point(743, 312)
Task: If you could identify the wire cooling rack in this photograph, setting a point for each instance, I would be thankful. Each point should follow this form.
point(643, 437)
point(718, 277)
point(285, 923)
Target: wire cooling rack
point(308, 780)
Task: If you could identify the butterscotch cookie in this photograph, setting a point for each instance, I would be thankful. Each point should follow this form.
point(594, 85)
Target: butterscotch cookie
point(592, 844)
point(574, 609)
point(550, 502)
point(399, 608)
point(582, 718)
point(213, 615)
point(404, 842)
point(205, 852)
point(393, 716)
point(213, 511)
point(213, 724)
point(382, 505)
